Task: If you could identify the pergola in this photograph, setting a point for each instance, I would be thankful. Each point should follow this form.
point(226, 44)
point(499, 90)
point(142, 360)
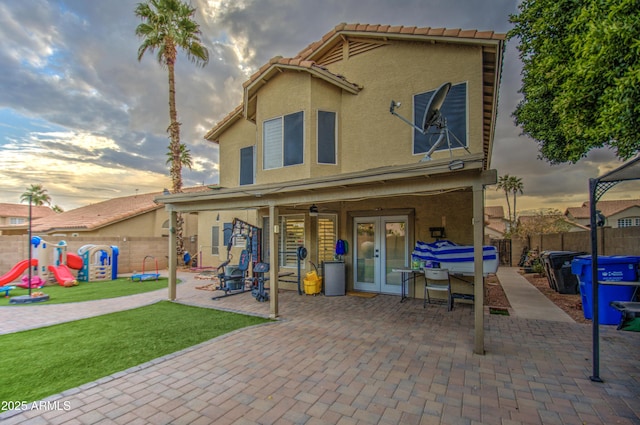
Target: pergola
point(598, 187)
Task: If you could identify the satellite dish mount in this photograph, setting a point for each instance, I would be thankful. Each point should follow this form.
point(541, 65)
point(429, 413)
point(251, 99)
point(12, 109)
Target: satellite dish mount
point(432, 118)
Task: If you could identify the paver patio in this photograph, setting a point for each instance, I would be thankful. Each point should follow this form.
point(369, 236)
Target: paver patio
point(354, 360)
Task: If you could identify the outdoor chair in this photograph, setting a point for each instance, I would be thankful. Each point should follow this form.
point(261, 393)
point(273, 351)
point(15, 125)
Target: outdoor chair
point(437, 280)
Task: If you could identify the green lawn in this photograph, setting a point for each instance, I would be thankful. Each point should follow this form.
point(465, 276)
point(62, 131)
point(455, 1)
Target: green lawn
point(41, 362)
point(88, 291)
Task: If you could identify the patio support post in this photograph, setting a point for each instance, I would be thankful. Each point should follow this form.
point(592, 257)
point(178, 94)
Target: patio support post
point(173, 255)
point(595, 323)
point(478, 279)
point(273, 260)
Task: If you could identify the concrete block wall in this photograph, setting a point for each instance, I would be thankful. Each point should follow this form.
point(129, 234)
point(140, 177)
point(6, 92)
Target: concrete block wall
point(618, 241)
point(132, 251)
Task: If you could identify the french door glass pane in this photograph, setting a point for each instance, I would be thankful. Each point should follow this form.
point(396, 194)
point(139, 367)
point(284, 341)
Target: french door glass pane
point(366, 246)
point(395, 250)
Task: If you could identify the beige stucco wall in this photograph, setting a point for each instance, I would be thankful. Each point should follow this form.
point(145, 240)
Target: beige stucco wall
point(368, 135)
point(240, 135)
point(399, 71)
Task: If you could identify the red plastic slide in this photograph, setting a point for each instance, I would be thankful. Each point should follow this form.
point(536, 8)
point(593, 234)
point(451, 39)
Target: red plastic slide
point(63, 275)
point(74, 261)
point(17, 270)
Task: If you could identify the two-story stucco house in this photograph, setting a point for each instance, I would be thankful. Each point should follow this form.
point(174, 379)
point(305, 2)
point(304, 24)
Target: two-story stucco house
point(315, 152)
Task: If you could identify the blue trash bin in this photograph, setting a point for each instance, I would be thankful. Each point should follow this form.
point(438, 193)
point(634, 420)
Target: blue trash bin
point(617, 268)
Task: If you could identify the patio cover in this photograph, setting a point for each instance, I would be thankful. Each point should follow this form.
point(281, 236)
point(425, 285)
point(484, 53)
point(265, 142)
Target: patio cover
point(598, 187)
point(422, 178)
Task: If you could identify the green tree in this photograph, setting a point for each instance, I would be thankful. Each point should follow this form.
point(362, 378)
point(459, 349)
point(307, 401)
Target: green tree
point(542, 222)
point(169, 25)
point(581, 76)
point(38, 195)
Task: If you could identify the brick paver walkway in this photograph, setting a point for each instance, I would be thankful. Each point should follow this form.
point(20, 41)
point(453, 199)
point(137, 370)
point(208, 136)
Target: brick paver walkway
point(353, 360)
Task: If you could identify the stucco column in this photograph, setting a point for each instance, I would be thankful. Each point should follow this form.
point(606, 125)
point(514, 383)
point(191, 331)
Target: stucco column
point(478, 280)
point(173, 260)
point(274, 233)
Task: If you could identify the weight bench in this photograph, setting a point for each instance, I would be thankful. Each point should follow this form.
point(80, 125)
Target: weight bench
point(630, 310)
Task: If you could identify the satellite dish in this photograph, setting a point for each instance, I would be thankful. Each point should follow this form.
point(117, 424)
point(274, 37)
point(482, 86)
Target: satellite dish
point(432, 118)
point(432, 115)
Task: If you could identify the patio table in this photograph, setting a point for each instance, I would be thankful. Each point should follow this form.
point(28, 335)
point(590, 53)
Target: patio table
point(407, 275)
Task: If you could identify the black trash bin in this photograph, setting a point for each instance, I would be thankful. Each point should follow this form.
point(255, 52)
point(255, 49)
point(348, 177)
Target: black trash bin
point(557, 265)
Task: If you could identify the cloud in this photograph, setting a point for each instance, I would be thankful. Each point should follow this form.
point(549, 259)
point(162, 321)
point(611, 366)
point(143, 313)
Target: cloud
point(76, 105)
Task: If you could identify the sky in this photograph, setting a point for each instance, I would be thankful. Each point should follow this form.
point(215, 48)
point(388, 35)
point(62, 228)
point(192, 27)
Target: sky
point(82, 116)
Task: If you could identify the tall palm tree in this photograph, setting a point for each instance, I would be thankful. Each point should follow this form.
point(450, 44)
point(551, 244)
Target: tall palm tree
point(166, 26)
point(515, 184)
point(504, 183)
point(38, 195)
point(185, 157)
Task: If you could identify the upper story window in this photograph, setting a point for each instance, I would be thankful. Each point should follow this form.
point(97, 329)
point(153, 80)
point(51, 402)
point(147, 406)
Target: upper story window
point(247, 166)
point(283, 141)
point(17, 220)
point(629, 222)
point(327, 137)
point(454, 109)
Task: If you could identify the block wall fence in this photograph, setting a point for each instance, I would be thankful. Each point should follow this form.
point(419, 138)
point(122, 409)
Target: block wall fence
point(132, 251)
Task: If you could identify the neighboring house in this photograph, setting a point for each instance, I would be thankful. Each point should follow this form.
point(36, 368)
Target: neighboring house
point(314, 152)
point(496, 225)
point(129, 216)
point(617, 213)
point(16, 216)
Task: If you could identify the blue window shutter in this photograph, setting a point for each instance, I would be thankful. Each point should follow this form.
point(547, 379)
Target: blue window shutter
point(454, 109)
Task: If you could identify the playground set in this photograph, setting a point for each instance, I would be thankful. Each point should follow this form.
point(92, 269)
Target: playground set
point(146, 276)
point(53, 262)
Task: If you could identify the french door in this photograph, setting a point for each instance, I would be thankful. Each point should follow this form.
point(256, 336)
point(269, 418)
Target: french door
point(380, 245)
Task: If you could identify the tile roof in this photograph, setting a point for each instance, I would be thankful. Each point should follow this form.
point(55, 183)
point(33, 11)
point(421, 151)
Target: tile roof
point(22, 210)
point(305, 60)
point(104, 213)
point(398, 31)
point(608, 208)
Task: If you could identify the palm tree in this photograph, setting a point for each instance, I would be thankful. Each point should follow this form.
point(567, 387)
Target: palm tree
point(185, 157)
point(37, 194)
point(166, 26)
point(515, 184)
point(504, 183)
